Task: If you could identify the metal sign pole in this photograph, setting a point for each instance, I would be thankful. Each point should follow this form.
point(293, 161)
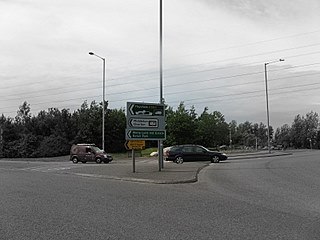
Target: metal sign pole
point(133, 161)
point(160, 142)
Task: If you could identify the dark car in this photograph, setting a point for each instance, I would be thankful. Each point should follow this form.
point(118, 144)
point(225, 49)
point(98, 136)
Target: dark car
point(181, 153)
point(88, 152)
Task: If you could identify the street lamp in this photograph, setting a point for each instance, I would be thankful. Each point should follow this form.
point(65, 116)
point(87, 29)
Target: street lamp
point(160, 142)
point(267, 98)
point(103, 93)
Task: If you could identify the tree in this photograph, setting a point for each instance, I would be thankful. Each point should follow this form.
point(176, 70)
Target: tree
point(88, 122)
point(181, 125)
point(298, 131)
point(311, 128)
point(304, 130)
point(283, 136)
point(262, 134)
point(212, 129)
point(232, 132)
point(52, 146)
point(244, 134)
point(115, 129)
point(23, 114)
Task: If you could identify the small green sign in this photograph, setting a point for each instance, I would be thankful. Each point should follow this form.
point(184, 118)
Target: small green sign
point(145, 109)
point(145, 134)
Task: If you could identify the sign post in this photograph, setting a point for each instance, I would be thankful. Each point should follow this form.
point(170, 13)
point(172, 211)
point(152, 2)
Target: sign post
point(133, 161)
point(145, 121)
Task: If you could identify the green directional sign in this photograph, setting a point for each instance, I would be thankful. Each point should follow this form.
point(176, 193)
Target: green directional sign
point(145, 109)
point(145, 121)
point(138, 134)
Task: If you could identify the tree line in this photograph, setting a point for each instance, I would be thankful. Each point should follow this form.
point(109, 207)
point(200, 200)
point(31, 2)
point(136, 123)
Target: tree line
point(304, 132)
point(52, 132)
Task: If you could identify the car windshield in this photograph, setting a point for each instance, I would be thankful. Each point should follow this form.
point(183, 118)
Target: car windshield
point(97, 150)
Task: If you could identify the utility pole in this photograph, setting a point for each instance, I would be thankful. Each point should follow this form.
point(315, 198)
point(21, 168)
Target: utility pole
point(160, 142)
point(267, 99)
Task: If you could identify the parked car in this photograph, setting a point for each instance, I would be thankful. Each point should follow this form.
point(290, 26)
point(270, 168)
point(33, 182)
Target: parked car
point(87, 153)
point(181, 153)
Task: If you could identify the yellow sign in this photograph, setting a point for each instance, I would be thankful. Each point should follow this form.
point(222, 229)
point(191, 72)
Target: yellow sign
point(135, 144)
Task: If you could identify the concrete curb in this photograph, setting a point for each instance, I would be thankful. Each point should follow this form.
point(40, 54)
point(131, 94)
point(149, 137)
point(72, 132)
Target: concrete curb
point(141, 180)
point(263, 155)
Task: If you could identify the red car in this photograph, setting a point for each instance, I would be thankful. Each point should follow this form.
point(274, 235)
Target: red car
point(88, 152)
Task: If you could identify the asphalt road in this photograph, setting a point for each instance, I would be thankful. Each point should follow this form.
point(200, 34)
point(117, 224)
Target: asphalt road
point(267, 198)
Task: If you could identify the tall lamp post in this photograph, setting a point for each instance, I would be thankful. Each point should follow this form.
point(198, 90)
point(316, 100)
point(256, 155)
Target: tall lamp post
point(267, 98)
point(103, 92)
point(160, 142)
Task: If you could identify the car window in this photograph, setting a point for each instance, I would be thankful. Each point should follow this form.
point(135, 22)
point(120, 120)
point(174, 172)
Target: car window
point(187, 149)
point(199, 149)
point(174, 149)
point(98, 150)
point(88, 150)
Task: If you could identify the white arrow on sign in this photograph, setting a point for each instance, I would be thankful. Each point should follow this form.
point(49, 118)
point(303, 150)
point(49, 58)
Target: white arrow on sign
point(143, 123)
point(131, 109)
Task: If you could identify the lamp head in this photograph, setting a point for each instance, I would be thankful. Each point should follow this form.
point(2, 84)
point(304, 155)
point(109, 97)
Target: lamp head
point(91, 53)
point(281, 60)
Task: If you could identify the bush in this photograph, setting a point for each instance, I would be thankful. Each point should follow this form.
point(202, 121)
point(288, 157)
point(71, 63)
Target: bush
point(23, 147)
point(53, 146)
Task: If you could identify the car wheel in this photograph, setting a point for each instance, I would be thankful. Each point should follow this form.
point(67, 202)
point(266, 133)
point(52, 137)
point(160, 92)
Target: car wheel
point(179, 160)
point(215, 159)
point(75, 160)
point(98, 160)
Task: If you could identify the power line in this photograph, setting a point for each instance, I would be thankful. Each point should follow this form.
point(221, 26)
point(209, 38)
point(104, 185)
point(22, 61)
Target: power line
point(255, 43)
point(215, 79)
point(225, 60)
point(252, 92)
point(172, 85)
point(240, 46)
point(224, 100)
point(218, 61)
point(134, 82)
point(71, 99)
point(249, 98)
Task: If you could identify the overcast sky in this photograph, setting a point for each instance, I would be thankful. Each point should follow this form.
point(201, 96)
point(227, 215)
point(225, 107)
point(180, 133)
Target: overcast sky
point(213, 55)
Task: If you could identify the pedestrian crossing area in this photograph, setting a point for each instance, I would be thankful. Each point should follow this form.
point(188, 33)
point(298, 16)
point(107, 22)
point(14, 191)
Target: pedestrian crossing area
point(48, 168)
point(38, 166)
